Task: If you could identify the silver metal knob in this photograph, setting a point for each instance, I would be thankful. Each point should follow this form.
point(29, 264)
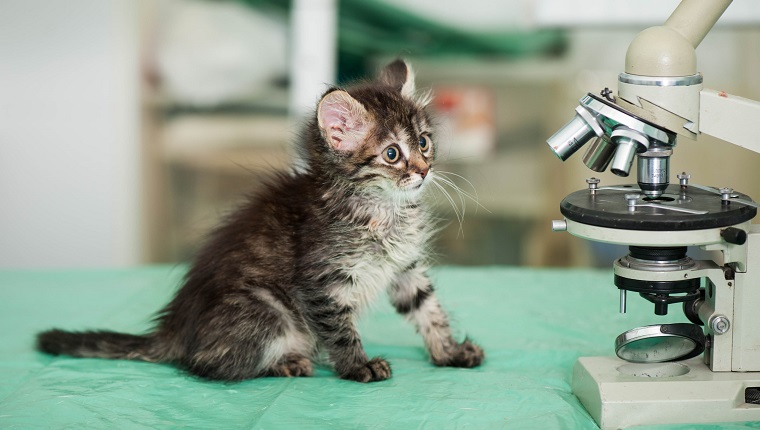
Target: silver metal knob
point(559, 225)
point(720, 324)
point(683, 178)
point(632, 199)
point(725, 194)
point(593, 184)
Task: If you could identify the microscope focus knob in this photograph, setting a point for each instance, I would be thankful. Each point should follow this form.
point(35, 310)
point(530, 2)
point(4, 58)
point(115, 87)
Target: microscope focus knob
point(720, 324)
point(734, 235)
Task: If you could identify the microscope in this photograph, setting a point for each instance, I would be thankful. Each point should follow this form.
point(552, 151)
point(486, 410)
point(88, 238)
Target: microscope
point(707, 370)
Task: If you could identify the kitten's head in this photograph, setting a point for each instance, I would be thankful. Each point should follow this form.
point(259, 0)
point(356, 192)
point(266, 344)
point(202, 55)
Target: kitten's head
point(377, 135)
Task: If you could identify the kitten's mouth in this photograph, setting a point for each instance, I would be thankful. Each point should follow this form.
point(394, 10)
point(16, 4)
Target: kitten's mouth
point(413, 186)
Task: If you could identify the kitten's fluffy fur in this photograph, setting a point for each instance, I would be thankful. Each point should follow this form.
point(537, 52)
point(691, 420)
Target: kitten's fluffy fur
point(286, 275)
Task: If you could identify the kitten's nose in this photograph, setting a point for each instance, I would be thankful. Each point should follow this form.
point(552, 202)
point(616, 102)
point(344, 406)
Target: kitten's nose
point(423, 171)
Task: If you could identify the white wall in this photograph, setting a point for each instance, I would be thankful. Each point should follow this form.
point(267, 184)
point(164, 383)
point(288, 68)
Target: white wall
point(506, 15)
point(69, 133)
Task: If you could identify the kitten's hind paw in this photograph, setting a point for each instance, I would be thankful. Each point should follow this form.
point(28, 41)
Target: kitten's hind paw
point(465, 354)
point(374, 370)
point(292, 365)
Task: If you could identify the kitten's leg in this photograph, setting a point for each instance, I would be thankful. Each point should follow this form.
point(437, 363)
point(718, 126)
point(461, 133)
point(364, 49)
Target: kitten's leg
point(292, 365)
point(334, 325)
point(248, 334)
point(413, 297)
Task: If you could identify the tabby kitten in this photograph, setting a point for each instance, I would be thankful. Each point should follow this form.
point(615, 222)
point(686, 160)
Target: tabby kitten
point(285, 276)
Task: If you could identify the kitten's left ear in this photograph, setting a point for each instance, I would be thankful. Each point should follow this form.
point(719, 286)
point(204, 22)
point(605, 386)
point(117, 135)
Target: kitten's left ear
point(400, 76)
point(344, 122)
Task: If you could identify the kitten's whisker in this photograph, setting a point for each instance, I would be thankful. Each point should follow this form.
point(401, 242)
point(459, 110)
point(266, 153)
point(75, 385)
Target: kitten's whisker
point(450, 183)
point(459, 189)
point(450, 199)
point(474, 190)
point(475, 198)
point(453, 204)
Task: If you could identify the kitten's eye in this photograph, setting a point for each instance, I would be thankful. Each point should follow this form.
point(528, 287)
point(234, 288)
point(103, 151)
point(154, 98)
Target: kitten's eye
point(424, 143)
point(391, 154)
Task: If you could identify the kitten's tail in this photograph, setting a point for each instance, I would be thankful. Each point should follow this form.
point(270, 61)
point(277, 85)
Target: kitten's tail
point(97, 344)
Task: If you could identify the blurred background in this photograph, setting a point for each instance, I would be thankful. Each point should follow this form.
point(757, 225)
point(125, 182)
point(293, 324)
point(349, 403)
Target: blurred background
point(128, 127)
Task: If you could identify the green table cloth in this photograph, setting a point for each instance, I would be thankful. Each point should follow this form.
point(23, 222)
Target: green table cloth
point(532, 323)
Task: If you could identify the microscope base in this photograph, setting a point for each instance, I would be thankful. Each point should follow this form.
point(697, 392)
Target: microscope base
point(618, 394)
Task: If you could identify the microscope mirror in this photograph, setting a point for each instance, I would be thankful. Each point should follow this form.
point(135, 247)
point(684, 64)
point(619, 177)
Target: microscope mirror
point(660, 343)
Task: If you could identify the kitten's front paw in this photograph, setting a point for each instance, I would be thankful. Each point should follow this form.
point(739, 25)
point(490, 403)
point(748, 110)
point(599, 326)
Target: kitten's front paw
point(465, 354)
point(376, 369)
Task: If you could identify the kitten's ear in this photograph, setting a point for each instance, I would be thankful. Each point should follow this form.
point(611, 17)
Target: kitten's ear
point(343, 121)
point(400, 76)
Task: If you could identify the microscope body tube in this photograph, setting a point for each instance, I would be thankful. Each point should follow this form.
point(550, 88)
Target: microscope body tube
point(693, 19)
point(669, 50)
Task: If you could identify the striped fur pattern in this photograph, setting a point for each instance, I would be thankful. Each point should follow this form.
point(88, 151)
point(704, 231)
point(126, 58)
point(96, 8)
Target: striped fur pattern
point(284, 278)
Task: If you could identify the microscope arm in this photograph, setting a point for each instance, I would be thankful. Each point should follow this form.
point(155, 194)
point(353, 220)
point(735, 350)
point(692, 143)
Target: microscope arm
point(731, 118)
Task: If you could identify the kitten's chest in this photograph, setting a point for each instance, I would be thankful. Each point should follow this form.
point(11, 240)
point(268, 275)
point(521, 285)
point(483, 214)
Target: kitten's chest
point(379, 250)
point(397, 238)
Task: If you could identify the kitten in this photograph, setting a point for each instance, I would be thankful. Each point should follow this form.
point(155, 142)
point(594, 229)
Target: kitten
point(286, 275)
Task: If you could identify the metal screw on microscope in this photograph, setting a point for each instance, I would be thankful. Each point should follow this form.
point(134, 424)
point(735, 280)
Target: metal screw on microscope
point(725, 195)
point(593, 184)
point(683, 178)
point(632, 199)
point(720, 324)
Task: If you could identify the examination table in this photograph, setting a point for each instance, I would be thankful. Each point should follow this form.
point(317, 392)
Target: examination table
point(532, 323)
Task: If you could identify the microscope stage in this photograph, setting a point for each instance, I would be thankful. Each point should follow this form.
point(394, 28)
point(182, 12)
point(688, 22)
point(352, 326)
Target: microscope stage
point(609, 207)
